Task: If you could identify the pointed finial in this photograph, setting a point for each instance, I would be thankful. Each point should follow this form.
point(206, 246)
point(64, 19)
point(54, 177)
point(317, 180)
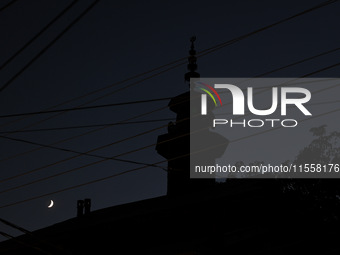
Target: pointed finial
point(192, 66)
point(192, 51)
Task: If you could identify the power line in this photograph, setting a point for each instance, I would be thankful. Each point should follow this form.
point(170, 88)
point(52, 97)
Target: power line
point(25, 231)
point(85, 126)
point(6, 222)
point(329, 102)
point(86, 107)
point(40, 168)
point(270, 130)
point(97, 162)
point(106, 124)
point(37, 169)
point(115, 157)
point(92, 150)
point(159, 162)
point(24, 153)
point(73, 170)
point(9, 82)
point(227, 43)
point(299, 62)
point(7, 5)
point(83, 134)
point(157, 99)
point(92, 131)
point(111, 93)
point(219, 46)
point(76, 186)
point(101, 97)
point(108, 105)
point(186, 134)
point(79, 153)
point(208, 50)
point(113, 124)
point(10, 59)
point(10, 237)
point(98, 148)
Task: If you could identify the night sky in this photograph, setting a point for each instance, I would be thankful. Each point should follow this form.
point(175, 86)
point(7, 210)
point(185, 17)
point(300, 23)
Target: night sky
point(112, 42)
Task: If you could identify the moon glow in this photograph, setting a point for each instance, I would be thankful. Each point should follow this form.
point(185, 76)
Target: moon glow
point(51, 204)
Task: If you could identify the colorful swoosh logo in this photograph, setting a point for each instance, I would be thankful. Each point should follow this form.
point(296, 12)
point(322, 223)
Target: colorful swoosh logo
point(209, 93)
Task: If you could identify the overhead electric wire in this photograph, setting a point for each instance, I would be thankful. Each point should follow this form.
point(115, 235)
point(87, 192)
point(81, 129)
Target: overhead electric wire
point(35, 37)
point(230, 41)
point(7, 5)
point(83, 134)
point(320, 70)
point(269, 130)
point(101, 97)
point(208, 50)
point(86, 133)
point(277, 69)
point(14, 239)
point(84, 126)
point(149, 131)
point(156, 99)
point(324, 102)
point(77, 152)
point(332, 1)
point(298, 62)
point(159, 162)
point(92, 150)
point(125, 153)
point(25, 231)
point(86, 107)
point(6, 222)
point(227, 43)
point(41, 52)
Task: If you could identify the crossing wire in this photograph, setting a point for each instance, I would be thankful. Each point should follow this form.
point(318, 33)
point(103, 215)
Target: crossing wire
point(156, 163)
point(7, 5)
point(99, 106)
point(71, 138)
point(143, 133)
point(25, 231)
point(86, 107)
point(204, 52)
point(139, 149)
point(156, 99)
point(92, 131)
point(35, 37)
point(75, 21)
point(90, 151)
point(331, 1)
point(10, 237)
point(84, 126)
point(219, 46)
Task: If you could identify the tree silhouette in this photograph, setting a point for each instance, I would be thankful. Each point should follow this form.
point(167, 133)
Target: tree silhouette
point(322, 195)
point(317, 196)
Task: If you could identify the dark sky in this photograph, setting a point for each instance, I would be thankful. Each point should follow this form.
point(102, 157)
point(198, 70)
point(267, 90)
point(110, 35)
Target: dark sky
point(115, 41)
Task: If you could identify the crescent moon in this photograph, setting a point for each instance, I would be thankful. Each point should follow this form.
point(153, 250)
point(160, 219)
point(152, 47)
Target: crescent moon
point(51, 204)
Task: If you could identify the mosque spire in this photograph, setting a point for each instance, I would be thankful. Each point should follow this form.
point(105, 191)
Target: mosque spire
point(192, 66)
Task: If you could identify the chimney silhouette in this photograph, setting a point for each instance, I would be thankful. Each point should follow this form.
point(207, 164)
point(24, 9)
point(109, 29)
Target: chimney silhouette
point(87, 205)
point(80, 208)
